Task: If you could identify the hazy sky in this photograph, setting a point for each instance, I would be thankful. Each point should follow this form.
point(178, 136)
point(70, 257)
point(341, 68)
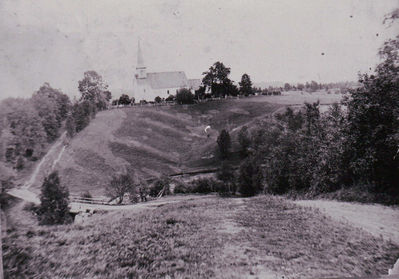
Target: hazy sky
point(57, 41)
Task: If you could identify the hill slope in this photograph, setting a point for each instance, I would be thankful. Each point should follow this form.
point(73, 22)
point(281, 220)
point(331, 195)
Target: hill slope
point(151, 141)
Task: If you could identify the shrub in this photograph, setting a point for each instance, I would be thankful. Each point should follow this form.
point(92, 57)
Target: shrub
point(159, 185)
point(184, 97)
point(227, 176)
point(157, 99)
point(54, 202)
point(87, 195)
point(20, 163)
point(119, 186)
point(244, 140)
point(224, 143)
point(170, 98)
point(181, 188)
point(32, 208)
point(205, 185)
point(249, 179)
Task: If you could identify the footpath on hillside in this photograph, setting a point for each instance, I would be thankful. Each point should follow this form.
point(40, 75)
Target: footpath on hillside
point(379, 220)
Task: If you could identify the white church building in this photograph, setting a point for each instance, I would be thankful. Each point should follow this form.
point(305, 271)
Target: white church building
point(147, 86)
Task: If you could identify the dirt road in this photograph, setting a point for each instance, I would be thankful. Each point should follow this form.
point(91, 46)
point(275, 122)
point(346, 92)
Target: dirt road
point(378, 220)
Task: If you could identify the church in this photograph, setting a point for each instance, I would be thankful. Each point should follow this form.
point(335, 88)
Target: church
point(147, 86)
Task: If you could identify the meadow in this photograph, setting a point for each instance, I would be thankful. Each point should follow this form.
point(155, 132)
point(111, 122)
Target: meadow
point(198, 237)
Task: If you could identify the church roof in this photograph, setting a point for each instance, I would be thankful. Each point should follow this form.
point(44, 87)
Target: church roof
point(163, 80)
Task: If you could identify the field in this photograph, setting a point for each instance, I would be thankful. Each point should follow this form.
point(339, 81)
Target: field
point(198, 237)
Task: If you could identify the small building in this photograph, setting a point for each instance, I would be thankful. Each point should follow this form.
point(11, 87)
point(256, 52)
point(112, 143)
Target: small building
point(147, 86)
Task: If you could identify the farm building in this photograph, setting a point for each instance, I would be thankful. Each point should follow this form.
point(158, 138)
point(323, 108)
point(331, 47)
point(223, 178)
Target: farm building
point(147, 86)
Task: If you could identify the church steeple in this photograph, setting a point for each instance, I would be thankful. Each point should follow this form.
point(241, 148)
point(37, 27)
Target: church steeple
point(140, 68)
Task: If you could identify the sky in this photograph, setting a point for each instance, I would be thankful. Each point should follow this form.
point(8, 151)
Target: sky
point(57, 41)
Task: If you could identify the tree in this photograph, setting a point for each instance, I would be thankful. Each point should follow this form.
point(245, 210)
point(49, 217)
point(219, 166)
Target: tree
point(184, 96)
point(161, 186)
point(287, 86)
point(157, 99)
point(94, 89)
point(373, 124)
point(170, 98)
point(70, 126)
point(124, 100)
point(52, 107)
point(226, 175)
point(249, 179)
point(119, 186)
point(82, 113)
point(200, 93)
point(245, 85)
point(224, 143)
point(54, 201)
point(216, 79)
point(244, 141)
point(28, 135)
point(300, 86)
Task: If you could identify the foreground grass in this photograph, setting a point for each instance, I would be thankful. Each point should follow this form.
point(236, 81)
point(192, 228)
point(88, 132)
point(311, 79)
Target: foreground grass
point(303, 243)
point(198, 238)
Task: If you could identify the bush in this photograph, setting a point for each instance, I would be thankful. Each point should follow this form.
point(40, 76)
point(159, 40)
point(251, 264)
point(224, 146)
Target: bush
point(227, 176)
point(159, 185)
point(32, 208)
point(20, 163)
point(205, 185)
point(249, 179)
point(181, 188)
point(244, 140)
point(170, 98)
point(184, 97)
point(224, 143)
point(87, 195)
point(158, 99)
point(119, 186)
point(54, 202)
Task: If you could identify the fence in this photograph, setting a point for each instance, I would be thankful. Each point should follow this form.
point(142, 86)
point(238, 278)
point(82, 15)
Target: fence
point(92, 200)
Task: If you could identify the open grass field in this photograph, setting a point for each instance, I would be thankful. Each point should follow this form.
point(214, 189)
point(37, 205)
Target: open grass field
point(198, 237)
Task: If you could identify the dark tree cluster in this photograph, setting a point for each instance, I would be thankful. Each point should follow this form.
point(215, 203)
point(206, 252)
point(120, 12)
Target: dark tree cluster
point(184, 97)
point(29, 125)
point(94, 97)
point(216, 83)
point(54, 198)
point(315, 86)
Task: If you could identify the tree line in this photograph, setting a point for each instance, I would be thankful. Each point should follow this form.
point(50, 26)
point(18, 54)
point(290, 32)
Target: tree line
point(353, 147)
point(28, 126)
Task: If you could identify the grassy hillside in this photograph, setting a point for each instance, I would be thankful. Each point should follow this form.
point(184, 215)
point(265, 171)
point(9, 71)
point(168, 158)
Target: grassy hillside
point(201, 237)
point(152, 141)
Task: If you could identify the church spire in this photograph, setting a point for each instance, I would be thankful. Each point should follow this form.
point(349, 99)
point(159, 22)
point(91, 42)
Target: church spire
point(141, 72)
point(140, 60)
